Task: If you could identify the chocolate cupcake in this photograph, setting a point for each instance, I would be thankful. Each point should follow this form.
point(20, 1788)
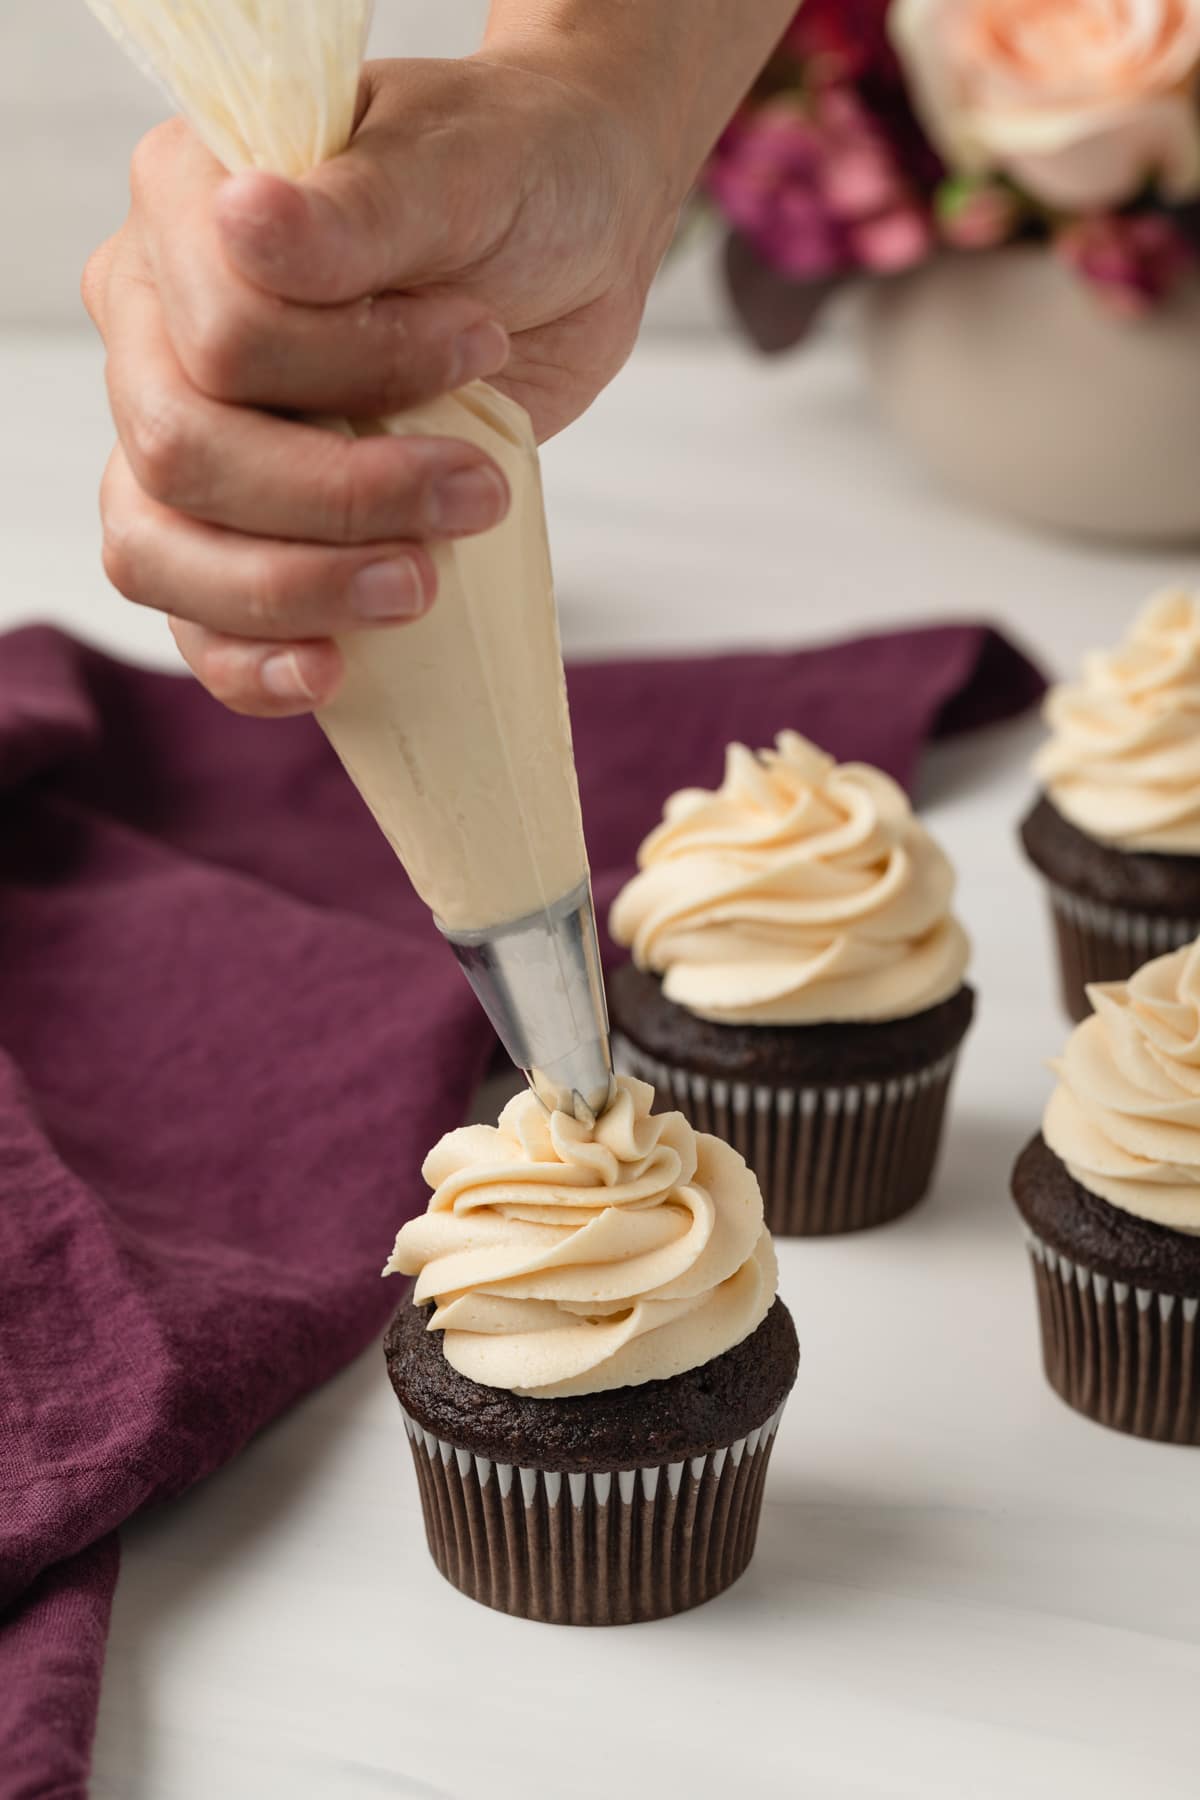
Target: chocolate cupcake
point(594, 1363)
point(797, 981)
point(1110, 1195)
point(1116, 829)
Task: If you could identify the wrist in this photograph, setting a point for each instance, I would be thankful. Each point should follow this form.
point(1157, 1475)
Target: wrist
point(621, 82)
point(673, 84)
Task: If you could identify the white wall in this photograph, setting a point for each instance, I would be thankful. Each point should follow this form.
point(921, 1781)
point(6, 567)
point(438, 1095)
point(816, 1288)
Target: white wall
point(71, 109)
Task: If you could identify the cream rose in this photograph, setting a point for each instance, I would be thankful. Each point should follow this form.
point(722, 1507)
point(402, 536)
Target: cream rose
point(1079, 101)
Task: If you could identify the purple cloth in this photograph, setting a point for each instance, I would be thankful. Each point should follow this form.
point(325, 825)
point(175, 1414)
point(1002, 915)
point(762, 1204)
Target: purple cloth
point(228, 1035)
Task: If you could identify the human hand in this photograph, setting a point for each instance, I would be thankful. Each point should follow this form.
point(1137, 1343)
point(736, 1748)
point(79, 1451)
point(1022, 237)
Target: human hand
point(491, 218)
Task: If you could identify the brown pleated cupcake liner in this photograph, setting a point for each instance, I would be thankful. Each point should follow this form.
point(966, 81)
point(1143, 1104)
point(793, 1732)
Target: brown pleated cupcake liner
point(828, 1159)
point(1126, 1356)
point(1107, 943)
point(586, 1549)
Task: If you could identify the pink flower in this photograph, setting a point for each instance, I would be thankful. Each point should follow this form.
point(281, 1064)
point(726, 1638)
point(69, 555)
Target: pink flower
point(861, 181)
point(816, 188)
point(893, 241)
point(849, 36)
point(1079, 103)
point(765, 176)
point(1133, 261)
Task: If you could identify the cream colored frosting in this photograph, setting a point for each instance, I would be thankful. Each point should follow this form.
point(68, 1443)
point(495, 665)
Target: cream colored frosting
point(1125, 1116)
point(800, 891)
point(569, 1259)
point(455, 729)
point(1124, 761)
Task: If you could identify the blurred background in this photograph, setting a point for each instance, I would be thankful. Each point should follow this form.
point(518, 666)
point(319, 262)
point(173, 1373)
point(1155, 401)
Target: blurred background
point(1050, 378)
point(71, 110)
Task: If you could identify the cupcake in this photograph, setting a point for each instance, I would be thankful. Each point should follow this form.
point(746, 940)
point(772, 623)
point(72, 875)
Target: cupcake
point(797, 981)
point(1116, 828)
point(1110, 1195)
point(593, 1363)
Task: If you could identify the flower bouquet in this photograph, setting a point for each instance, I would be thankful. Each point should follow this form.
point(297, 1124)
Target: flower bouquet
point(1020, 179)
point(884, 132)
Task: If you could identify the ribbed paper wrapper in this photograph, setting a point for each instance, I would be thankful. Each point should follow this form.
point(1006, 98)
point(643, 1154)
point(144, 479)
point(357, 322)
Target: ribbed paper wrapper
point(588, 1549)
point(828, 1159)
point(1126, 1356)
point(1097, 942)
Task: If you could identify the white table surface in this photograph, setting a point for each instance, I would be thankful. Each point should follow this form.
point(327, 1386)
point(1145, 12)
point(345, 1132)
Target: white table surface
point(961, 1589)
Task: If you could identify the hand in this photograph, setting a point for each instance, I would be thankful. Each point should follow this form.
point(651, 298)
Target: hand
point(490, 219)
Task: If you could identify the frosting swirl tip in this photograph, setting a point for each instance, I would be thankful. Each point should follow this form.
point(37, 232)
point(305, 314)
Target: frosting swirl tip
point(799, 891)
point(567, 1259)
point(1122, 762)
point(1125, 1114)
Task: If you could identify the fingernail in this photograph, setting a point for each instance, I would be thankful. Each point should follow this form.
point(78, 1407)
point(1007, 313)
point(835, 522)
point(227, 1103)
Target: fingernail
point(470, 500)
point(283, 678)
point(480, 351)
point(388, 590)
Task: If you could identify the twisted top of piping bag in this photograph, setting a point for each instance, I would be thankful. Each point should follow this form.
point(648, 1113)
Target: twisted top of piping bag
point(268, 84)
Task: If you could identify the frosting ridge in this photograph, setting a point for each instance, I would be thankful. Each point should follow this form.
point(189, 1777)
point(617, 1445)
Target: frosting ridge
point(1125, 1116)
point(1123, 763)
point(568, 1259)
point(799, 891)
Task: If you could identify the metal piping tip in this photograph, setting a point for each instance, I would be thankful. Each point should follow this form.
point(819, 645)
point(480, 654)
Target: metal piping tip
point(539, 982)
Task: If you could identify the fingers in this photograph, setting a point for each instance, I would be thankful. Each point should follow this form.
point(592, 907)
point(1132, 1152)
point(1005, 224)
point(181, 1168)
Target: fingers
point(270, 680)
point(93, 284)
point(321, 242)
point(252, 472)
point(252, 586)
point(239, 342)
point(434, 179)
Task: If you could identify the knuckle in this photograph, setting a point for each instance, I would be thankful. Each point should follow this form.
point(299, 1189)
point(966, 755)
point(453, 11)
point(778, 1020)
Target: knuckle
point(227, 675)
point(119, 553)
point(222, 346)
point(150, 154)
point(159, 445)
point(351, 509)
point(92, 281)
point(270, 599)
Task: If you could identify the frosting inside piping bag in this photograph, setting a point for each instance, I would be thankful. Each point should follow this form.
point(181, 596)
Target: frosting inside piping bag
point(455, 728)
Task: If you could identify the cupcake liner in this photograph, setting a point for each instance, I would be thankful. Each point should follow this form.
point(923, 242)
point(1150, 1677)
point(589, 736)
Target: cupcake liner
point(828, 1159)
point(587, 1549)
point(1097, 942)
point(1128, 1357)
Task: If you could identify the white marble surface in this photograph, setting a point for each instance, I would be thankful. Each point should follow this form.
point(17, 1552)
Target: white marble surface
point(962, 1591)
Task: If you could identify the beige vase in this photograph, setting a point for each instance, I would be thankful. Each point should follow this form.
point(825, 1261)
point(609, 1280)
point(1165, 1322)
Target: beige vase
point(1012, 384)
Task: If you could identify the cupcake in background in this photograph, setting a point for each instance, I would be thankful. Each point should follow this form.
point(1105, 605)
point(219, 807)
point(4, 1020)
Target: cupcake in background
point(1116, 829)
point(1110, 1195)
point(797, 981)
point(594, 1362)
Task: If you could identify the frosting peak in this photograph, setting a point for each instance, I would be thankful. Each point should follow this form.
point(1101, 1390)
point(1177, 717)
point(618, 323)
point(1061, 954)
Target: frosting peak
point(800, 891)
point(1125, 1117)
point(1123, 763)
point(567, 1259)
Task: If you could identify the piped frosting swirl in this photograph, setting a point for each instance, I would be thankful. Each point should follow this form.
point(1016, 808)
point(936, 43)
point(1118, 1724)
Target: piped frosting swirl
point(1125, 1116)
point(799, 891)
point(566, 1259)
point(1123, 764)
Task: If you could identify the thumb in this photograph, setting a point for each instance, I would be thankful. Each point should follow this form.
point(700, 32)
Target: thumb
point(352, 228)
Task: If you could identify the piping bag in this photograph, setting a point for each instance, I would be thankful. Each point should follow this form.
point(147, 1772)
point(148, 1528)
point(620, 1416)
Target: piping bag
point(454, 729)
